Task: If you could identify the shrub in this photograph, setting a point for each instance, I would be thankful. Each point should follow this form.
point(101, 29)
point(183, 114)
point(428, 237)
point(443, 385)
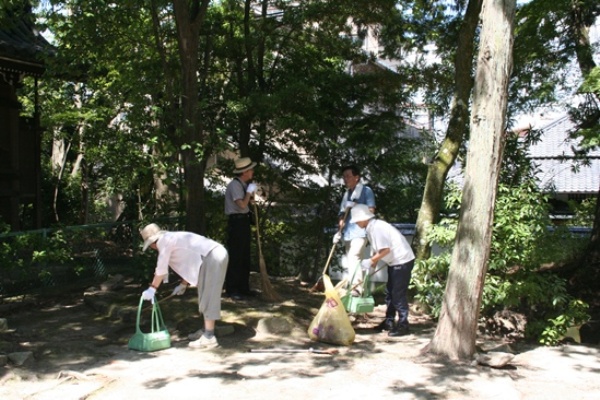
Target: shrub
point(521, 244)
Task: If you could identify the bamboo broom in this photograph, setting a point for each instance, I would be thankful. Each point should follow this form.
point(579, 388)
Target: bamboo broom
point(269, 293)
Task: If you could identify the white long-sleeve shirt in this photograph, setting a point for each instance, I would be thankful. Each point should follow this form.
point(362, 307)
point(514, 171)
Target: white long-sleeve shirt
point(183, 252)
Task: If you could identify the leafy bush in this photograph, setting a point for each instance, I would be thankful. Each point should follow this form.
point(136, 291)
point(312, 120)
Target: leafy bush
point(521, 244)
point(583, 212)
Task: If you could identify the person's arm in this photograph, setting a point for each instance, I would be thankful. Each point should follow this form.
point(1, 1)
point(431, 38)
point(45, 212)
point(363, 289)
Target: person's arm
point(156, 281)
point(379, 255)
point(341, 223)
point(370, 199)
point(244, 202)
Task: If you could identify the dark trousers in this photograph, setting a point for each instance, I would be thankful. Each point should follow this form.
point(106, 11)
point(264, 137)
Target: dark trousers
point(237, 280)
point(396, 290)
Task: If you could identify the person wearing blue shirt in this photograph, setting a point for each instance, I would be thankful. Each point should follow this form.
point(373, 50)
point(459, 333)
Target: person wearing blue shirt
point(355, 237)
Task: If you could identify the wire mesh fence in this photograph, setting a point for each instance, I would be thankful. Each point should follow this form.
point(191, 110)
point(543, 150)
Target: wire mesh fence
point(55, 259)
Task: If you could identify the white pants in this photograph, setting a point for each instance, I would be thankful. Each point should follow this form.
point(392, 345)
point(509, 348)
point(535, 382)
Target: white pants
point(210, 283)
point(354, 251)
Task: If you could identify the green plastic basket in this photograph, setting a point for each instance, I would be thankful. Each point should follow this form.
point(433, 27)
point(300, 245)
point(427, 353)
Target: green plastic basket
point(362, 304)
point(157, 339)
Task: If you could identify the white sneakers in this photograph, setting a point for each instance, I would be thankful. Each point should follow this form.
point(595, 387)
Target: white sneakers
point(203, 342)
point(196, 335)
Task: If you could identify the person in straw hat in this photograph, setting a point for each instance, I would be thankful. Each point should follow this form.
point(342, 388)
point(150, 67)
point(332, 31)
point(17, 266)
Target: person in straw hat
point(200, 262)
point(392, 248)
point(238, 196)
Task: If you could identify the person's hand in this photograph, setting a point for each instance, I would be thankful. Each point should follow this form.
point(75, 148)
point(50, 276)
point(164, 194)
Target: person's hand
point(366, 264)
point(337, 237)
point(251, 188)
point(148, 294)
point(350, 204)
point(179, 289)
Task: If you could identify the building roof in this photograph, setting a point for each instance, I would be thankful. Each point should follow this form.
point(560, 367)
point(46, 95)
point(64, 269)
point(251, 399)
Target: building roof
point(21, 45)
point(559, 170)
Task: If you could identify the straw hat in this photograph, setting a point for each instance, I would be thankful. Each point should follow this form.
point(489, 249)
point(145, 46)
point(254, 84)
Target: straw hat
point(360, 212)
point(243, 164)
point(150, 234)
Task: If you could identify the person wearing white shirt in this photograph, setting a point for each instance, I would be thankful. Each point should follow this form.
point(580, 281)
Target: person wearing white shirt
point(391, 247)
point(200, 262)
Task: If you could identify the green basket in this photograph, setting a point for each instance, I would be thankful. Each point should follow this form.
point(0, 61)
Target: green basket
point(157, 339)
point(363, 304)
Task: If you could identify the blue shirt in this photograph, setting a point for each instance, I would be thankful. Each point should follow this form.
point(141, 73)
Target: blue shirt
point(351, 230)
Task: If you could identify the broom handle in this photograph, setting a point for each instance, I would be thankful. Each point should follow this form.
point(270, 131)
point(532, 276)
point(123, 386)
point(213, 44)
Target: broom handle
point(371, 274)
point(257, 230)
point(330, 253)
point(161, 300)
point(333, 247)
point(266, 283)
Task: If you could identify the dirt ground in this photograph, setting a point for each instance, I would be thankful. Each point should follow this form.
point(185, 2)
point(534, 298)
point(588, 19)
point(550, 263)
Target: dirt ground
point(79, 347)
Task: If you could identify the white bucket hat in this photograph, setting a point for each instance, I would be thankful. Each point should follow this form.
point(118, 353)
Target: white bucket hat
point(243, 164)
point(360, 212)
point(150, 234)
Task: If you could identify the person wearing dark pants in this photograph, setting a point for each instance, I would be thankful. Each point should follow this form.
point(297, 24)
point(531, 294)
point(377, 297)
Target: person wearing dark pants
point(396, 298)
point(238, 196)
point(237, 282)
point(391, 247)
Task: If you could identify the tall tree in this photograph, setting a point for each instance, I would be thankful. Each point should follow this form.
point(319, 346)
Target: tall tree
point(433, 196)
point(189, 17)
point(457, 328)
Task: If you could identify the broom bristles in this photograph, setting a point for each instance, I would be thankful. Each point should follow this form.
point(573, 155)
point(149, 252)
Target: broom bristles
point(269, 292)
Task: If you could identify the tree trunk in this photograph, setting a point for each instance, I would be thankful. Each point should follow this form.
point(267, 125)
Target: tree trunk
point(457, 328)
point(189, 16)
point(433, 196)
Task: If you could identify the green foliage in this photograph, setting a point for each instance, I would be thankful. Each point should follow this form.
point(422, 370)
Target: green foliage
point(521, 244)
point(583, 212)
point(572, 313)
point(429, 282)
point(28, 261)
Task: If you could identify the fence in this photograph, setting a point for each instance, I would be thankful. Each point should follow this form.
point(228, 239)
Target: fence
point(55, 259)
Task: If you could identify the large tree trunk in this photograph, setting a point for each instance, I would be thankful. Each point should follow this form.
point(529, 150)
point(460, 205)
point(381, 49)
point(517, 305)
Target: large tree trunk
point(433, 196)
point(189, 16)
point(457, 328)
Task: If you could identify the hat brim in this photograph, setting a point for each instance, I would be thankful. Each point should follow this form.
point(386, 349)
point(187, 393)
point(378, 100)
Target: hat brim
point(364, 217)
point(239, 171)
point(152, 239)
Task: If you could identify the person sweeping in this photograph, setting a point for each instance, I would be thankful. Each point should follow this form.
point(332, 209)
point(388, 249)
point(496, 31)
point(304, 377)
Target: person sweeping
point(200, 262)
point(391, 247)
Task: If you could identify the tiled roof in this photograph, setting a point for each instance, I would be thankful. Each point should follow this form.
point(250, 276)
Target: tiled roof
point(558, 169)
point(560, 177)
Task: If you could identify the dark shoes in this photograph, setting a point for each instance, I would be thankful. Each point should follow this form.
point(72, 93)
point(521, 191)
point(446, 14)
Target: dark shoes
point(386, 325)
point(399, 331)
point(242, 295)
point(235, 296)
point(393, 329)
